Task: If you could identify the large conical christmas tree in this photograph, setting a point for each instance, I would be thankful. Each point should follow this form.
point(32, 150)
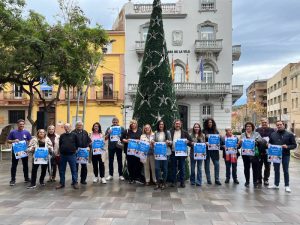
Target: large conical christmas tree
point(155, 97)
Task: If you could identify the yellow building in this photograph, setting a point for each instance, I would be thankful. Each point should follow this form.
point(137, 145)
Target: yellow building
point(103, 102)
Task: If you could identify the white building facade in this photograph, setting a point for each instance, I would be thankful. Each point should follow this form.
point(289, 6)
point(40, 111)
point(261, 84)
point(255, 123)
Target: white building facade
point(195, 30)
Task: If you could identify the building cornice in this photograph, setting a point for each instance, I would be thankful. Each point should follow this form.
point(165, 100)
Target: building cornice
point(164, 16)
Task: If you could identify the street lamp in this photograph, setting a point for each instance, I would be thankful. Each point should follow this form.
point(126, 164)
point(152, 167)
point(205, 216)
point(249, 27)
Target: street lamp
point(125, 107)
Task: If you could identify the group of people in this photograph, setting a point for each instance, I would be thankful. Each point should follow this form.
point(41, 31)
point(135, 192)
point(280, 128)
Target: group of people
point(63, 149)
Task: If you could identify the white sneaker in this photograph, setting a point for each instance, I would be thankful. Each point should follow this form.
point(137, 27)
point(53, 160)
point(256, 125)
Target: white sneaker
point(273, 187)
point(287, 189)
point(121, 178)
point(109, 177)
point(103, 180)
point(96, 179)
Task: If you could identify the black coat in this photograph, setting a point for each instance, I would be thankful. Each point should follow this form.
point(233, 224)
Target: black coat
point(68, 143)
point(283, 138)
point(83, 138)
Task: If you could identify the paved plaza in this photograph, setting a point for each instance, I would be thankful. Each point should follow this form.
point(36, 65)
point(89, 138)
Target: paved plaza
point(121, 203)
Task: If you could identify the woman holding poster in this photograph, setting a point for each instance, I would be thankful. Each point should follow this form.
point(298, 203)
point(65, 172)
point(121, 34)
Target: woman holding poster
point(42, 142)
point(149, 164)
point(210, 130)
point(230, 154)
point(162, 135)
point(250, 152)
point(134, 164)
point(197, 137)
point(97, 151)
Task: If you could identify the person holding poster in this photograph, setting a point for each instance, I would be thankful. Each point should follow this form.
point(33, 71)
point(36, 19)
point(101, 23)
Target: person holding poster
point(197, 137)
point(68, 145)
point(84, 141)
point(113, 135)
point(15, 137)
point(251, 155)
point(149, 164)
point(265, 132)
point(40, 141)
point(161, 166)
point(55, 159)
point(134, 164)
point(287, 141)
point(210, 128)
point(97, 146)
point(229, 144)
point(178, 133)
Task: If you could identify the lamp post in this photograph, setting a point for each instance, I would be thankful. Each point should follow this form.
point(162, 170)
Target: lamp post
point(125, 107)
point(297, 152)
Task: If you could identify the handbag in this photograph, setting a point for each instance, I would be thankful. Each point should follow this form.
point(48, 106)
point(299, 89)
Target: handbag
point(119, 145)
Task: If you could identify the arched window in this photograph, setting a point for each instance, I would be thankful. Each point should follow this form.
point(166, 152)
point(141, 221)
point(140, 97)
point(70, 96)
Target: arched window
point(108, 86)
point(207, 32)
point(144, 31)
point(208, 73)
point(179, 74)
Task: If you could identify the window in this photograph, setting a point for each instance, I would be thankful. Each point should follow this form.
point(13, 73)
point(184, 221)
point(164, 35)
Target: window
point(279, 84)
point(47, 93)
point(285, 111)
point(296, 82)
point(145, 32)
point(271, 101)
point(296, 102)
point(108, 86)
point(279, 98)
point(18, 91)
point(208, 74)
point(292, 103)
point(207, 32)
point(109, 48)
point(179, 74)
point(284, 96)
point(271, 89)
point(206, 111)
point(284, 81)
point(279, 111)
point(275, 100)
point(275, 86)
point(207, 5)
point(15, 115)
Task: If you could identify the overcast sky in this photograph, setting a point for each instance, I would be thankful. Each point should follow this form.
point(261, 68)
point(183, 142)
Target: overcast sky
point(268, 30)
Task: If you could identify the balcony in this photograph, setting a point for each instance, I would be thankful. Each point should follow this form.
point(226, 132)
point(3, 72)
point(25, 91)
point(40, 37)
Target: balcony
point(73, 96)
point(107, 97)
point(207, 46)
point(139, 48)
point(47, 96)
point(237, 92)
point(11, 98)
point(167, 8)
point(236, 52)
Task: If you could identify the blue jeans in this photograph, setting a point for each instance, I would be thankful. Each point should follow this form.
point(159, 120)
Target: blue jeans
point(71, 159)
point(285, 166)
point(199, 171)
point(207, 168)
point(178, 162)
point(161, 166)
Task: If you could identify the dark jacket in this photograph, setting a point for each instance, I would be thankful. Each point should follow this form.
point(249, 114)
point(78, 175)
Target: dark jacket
point(83, 138)
point(214, 154)
point(68, 143)
point(283, 138)
point(265, 132)
point(184, 135)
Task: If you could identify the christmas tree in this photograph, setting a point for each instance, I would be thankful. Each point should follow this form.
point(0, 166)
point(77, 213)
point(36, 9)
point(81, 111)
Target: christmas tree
point(155, 97)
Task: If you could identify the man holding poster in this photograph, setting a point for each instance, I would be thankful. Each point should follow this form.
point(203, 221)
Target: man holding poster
point(287, 141)
point(177, 134)
point(14, 138)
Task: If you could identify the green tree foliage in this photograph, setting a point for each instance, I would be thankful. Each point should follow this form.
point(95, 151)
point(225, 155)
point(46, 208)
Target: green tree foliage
point(155, 97)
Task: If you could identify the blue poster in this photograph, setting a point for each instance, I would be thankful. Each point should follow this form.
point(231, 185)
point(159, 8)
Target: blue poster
point(214, 142)
point(160, 151)
point(115, 133)
point(248, 147)
point(82, 156)
point(20, 149)
point(41, 156)
point(98, 146)
point(275, 153)
point(199, 151)
point(133, 146)
point(231, 145)
point(180, 147)
point(142, 153)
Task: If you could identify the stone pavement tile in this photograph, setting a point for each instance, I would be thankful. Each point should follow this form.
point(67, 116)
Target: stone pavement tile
point(144, 214)
point(12, 219)
point(149, 200)
point(135, 206)
point(172, 215)
point(183, 195)
point(232, 217)
point(289, 218)
point(198, 221)
point(58, 212)
point(147, 194)
point(9, 203)
point(31, 212)
point(221, 202)
point(68, 221)
point(188, 207)
point(122, 221)
point(99, 221)
point(115, 214)
point(214, 208)
point(37, 221)
point(109, 205)
point(161, 222)
point(285, 223)
point(223, 223)
point(241, 209)
point(263, 218)
point(84, 205)
point(255, 223)
point(197, 215)
point(8, 210)
point(161, 194)
point(268, 209)
point(90, 213)
point(60, 204)
point(292, 210)
point(35, 204)
point(166, 206)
